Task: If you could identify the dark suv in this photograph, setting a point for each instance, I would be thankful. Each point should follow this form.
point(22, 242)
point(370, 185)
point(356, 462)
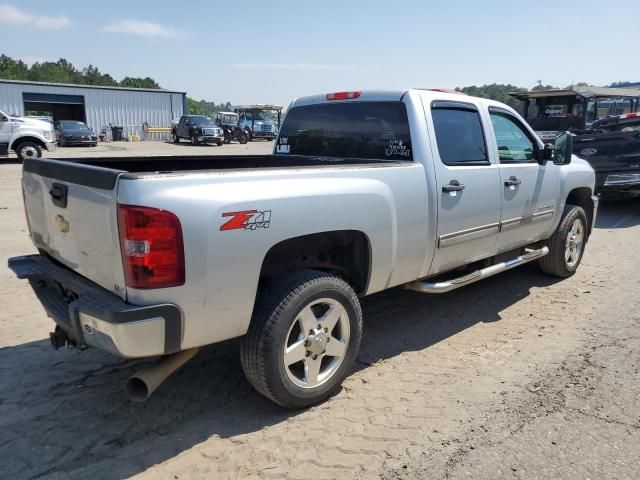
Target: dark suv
point(198, 129)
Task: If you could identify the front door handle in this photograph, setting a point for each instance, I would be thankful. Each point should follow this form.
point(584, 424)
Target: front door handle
point(453, 186)
point(512, 182)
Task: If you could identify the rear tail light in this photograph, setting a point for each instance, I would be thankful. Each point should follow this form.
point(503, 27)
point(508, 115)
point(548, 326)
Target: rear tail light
point(151, 246)
point(343, 95)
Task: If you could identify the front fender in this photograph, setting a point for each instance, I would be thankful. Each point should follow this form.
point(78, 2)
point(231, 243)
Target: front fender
point(577, 174)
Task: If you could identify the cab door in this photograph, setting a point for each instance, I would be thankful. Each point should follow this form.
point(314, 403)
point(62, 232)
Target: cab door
point(529, 186)
point(468, 185)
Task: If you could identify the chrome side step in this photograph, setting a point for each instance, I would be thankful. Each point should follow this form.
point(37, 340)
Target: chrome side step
point(447, 286)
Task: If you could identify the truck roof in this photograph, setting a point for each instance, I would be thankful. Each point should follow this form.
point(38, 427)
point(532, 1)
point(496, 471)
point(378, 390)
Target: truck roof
point(395, 96)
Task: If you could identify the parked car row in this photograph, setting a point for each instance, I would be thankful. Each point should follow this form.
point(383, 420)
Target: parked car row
point(246, 123)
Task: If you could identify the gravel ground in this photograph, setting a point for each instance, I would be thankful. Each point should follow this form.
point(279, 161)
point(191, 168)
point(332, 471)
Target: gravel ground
point(519, 376)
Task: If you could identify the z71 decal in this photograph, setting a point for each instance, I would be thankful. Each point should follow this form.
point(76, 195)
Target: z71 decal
point(246, 220)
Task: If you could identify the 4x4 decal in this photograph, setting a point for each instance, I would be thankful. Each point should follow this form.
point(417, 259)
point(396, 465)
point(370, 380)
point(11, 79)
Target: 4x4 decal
point(246, 220)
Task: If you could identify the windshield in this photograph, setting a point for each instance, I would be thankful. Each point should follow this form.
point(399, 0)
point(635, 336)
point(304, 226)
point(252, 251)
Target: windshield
point(257, 115)
point(201, 121)
point(369, 130)
point(73, 125)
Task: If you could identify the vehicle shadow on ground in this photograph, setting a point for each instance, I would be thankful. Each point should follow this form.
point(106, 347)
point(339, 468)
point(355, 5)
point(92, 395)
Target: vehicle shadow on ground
point(64, 413)
point(622, 213)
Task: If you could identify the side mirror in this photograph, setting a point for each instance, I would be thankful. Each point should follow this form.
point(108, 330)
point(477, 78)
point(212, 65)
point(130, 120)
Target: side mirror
point(563, 148)
point(547, 154)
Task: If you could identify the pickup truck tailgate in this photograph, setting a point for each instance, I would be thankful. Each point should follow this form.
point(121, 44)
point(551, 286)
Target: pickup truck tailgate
point(72, 215)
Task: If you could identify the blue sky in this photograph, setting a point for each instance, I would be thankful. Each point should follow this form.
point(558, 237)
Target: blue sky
point(271, 51)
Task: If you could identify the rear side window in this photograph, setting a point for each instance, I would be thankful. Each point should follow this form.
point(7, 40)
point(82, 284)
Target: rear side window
point(459, 136)
point(367, 130)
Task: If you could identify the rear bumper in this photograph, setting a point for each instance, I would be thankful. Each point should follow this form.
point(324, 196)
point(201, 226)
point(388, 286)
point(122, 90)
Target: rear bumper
point(93, 316)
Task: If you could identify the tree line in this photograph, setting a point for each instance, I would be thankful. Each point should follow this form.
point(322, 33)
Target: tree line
point(64, 71)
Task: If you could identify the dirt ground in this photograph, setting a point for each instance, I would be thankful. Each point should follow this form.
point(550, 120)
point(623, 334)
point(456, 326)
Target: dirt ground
point(520, 376)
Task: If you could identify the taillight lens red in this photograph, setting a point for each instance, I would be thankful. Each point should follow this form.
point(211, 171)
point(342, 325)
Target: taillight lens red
point(343, 95)
point(151, 246)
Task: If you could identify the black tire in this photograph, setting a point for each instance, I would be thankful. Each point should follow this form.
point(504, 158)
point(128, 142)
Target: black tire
point(176, 138)
point(61, 143)
point(249, 134)
point(244, 138)
point(194, 140)
point(276, 310)
point(555, 262)
point(28, 150)
point(219, 143)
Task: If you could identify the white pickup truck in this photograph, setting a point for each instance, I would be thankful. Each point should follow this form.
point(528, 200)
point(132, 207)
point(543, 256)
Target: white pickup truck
point(26, 136)
point(365, 191)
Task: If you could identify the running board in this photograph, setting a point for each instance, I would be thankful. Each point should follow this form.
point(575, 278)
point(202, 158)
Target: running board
point(442, 287)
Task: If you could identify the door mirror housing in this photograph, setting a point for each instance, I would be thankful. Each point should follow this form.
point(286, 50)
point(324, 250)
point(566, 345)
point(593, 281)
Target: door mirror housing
point(546, 154)
point(562, 149)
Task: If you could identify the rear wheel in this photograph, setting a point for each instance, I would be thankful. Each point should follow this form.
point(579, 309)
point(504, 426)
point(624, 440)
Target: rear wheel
point(566, 245)
point(28, 150)
point(303, 339)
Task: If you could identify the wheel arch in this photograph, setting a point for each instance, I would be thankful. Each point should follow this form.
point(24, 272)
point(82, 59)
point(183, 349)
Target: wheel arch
point(581, 197)
point(345, 253)
point(28, 138)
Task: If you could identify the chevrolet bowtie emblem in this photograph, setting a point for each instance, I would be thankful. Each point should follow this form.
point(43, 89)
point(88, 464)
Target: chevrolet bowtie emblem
point(62, 224)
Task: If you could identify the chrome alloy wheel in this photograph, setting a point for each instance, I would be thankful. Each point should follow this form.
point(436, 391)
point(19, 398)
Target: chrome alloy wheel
point(574, 243)
point(316, 343)
point(29, 152)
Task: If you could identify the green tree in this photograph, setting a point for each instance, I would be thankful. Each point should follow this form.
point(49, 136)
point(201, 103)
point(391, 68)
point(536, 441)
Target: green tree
point(495, 91)
point(11, 69)
point(137, 82)
point(202, 107)
point(61, 71)
point(92, 76)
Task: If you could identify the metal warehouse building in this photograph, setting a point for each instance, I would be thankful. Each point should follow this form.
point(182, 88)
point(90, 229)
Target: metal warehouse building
point(97, 106)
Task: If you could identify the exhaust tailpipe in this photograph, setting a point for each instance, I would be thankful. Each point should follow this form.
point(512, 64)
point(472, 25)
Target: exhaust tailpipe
point(141, 385)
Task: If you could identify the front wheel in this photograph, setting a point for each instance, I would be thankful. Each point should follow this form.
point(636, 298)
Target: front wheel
point(566, 245)
point(194, 140)
point(303, 339)
point(175, 137)
point(28, 150)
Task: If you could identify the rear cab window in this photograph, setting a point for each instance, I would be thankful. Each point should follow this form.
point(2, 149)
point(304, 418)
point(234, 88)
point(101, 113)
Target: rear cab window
point(376, 131)
point(459, 133)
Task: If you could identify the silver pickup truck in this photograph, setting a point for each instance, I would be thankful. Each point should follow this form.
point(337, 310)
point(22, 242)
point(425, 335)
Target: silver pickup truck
point(431, 191)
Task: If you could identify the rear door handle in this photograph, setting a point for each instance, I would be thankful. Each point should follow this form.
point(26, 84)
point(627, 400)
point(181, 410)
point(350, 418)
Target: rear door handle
point(453, 186)
point(512, 182)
